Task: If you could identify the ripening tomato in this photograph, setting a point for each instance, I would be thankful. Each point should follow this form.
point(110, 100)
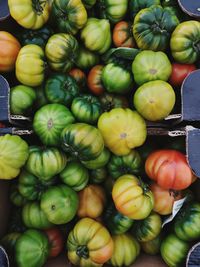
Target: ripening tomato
point(56, 241)
point(79, 76)
point(164, 199)
point(9, 49)
point(122, 35)
point(169, 169)
point(94, 80)
point(180, 72)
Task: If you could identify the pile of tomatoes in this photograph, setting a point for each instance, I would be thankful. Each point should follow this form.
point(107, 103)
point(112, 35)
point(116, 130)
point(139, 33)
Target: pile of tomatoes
point(90, 182)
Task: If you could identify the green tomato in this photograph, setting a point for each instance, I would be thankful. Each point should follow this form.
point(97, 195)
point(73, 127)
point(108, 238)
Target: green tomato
point(185, 42)
point(113, 10)
point(152, 247)
point(86, 59)
point(30, 187)
point(99, 162)
point(116, 79)
point(174, 250)
point(22, 99)
point(34, 217)
point(32, 249)
point(149, 66)
point(116, 222)
point(147, 229)
point(136, 5)
point(154, 100)
point(96, 35)
point(75, 175)
point(61, 88)
point(49, 121)
point(98, 176)
point(187, 222)
point(45, 163)
point(120, 165)
point(86, 108)
point(15, 197)
point(60, 204)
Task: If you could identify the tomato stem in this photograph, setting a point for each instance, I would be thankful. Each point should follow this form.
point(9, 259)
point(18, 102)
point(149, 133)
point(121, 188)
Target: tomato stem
point(39, 5)
point(83, 252)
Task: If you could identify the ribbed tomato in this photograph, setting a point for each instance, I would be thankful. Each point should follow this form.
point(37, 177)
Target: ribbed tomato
point(122, 35)
point(56, 241)
point(94, 80)
point(169, 169)
point(9, 49)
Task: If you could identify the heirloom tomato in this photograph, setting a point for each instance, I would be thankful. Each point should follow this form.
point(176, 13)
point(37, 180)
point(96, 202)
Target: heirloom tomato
point(132, 197)
point(89, 244)
point(180, 72)
point(99, 162)
point(56, 241)
point(169, 169)
point(86, 59)
point(9, 49)
point(122, 35)
point(94, 81)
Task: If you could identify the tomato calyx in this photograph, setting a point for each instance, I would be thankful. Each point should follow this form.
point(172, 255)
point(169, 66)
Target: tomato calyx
point(39, 5)
point(196, 46)
point(83, 252)
point(144, 186)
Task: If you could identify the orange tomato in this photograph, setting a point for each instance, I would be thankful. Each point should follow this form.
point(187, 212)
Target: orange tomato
point(91, 201)
point(9, 49)
point(164, 199)
point(169, 169)
point(79, 76)
point(94, 80)
point(122, 35)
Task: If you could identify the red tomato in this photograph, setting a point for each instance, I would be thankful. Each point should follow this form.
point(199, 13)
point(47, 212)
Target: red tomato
point(94, 80)
point(2, 125)
point(180, 72)
point(56, 241)
point(122, 35)
point(164, 199)
point(169, 169)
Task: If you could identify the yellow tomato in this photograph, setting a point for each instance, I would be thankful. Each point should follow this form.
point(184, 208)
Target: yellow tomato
point(132, 197)
point(122, 130)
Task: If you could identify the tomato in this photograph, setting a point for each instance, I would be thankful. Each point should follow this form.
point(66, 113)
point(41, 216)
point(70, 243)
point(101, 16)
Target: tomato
point(117, 79)
point(94, 81)
point(22, 99)
point(45, 162)
point(110, 101)
point(92, 200)
point(30, 14)
point(164, 199)
point(152, 247)
point(116, 222)
point(98, 176)
point(14, 153)
point(132, 197)
point(187, 221)
point(9, 49)
point(169, 169)
point(86, 59)
point(75, 175)
point(89, 244)
point(60, 204)
point(79, 76)
point(69, 16)
point(126, 250)
point(32, 249)
point(154, 100)
point(122, 130)
point(174, 250)
point(30, 65)
point(99, 162)
point(34, 217)
point(56, 241)
point(96, 35)
point(147, 229)
point(184, 42)
point(149, 66)
point(180, 72)
point(15, 197)
point(2, 125)
point(122, 35)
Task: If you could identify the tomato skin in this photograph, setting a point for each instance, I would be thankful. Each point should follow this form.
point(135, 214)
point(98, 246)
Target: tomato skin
point(169, 169)
point(180, 72)
point(94, 80)
point(56, 241)
point(164, 199)
point(79, 76)
point(122, 35)
point(9, 49)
